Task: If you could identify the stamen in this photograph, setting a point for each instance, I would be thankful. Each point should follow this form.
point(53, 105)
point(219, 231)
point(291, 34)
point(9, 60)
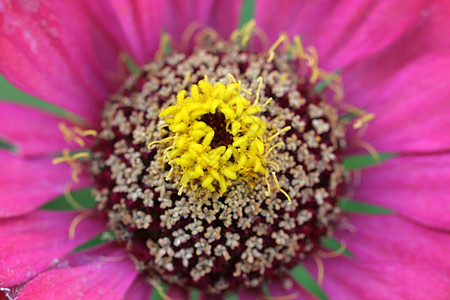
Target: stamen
point(352, 109)
point(360, 121)
point(113, 258)
point(69, 198)
point(69, 135)
point(188, 33)
point(164, 46)
point(279, 188)
point(262, 35)
point(333, 254)
point(320, 269)
point(159, 289)
point(204, 34)
point(287, 128)
point(285, 297)
point(371, 149)
point(75, 223)
point(243, 35)
point(283, 37)
point(71, 160)
point(129, 63)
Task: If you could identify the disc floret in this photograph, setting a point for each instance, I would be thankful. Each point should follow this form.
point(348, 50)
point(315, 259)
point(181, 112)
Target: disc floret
point(215, 136)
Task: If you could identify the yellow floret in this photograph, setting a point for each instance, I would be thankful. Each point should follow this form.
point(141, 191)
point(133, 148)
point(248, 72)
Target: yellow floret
point(191, 146)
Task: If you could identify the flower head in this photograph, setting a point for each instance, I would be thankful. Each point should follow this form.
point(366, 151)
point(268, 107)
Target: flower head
point(226, 163)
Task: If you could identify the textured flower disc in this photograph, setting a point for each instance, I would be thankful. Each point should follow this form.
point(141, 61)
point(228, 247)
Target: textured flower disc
point(219, 169)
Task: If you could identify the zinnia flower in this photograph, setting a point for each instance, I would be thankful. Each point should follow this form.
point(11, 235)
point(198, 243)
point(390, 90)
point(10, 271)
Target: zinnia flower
point(218, 166)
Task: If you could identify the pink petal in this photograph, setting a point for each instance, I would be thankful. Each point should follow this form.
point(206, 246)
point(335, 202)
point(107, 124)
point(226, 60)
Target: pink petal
point(34, 242)
point(133, 25)
point(416, 187)
point(222, 16)
point(288, 288)
point(395, 259)
point(343, 33)
point(411, 108)
point(102, 279)
point(47, 52)
point(139, 290)
point(177, 293)
point(32, 131)
point(29, 183)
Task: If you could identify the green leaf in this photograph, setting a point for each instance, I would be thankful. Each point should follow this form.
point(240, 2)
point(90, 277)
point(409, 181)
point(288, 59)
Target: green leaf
point(159, 292)
point(348, 117)
point(334, 245)
point(194, 294)
point(354, 162)
point(352, 206)
point(232, 296)
point(8, 91)
point(305, 279)
point(247, 12)
point(82, 197)
point(102, 238)
point(6, 145)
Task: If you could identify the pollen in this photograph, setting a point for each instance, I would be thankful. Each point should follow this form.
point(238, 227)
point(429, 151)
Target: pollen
point(216, 136)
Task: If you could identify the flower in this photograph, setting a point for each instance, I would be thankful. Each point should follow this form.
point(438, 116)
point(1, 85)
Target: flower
point(393, 63)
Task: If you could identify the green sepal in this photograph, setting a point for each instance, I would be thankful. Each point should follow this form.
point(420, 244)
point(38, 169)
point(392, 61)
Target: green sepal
point(232, 296)
point(14, 95)
point(156, 295)
point(333, 245)
point(6, 145)
point(83, 197)
point(194, 294)
point(353, 206)
point(354, 162)
point(247, 12)
point(304, 278)
point(348, 117)
point(102, 238)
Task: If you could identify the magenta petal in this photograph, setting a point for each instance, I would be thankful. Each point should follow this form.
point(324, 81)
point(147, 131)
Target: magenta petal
point(416, 187)
point(222, 16)
point(102, 279)
point(288, 288)
point(47, 51)
point(26, 184)
point(342, 32)
point(32, 131)
point(177, 293)
point(134, 25)
point(395, 259)
point(139, 290)
point(34, 242)
point(412, 108)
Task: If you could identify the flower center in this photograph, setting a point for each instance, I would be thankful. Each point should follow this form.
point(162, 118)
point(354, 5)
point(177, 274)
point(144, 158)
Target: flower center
point(219, 169)
point(201, 122)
